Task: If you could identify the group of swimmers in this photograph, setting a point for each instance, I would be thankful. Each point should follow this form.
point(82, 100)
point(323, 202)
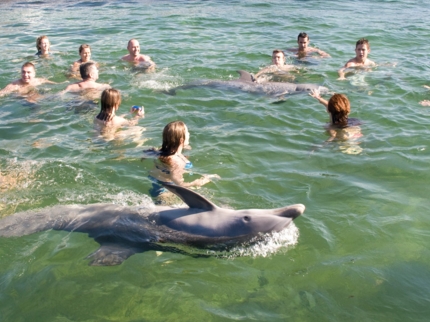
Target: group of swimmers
point(171, 164)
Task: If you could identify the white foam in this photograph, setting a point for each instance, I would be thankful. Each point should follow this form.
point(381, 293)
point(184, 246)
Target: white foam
point(267, 245)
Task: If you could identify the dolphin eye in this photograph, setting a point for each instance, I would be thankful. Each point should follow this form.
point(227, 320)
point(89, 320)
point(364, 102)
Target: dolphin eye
point(247, 218)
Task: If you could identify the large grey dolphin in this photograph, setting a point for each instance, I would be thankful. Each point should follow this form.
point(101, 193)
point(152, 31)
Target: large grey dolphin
point(247, 83)
point(123, 231)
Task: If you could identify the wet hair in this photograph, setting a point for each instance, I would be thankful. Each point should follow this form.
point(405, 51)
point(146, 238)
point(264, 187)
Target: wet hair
point(86, 68)
point(302, 35)
point(83, 46)
point(128, 44)
point(39, 40)
point(173, 137)
point(277, 51)
point(111, 98)
point(339, 108)
point(362, 41)
point(28, 64)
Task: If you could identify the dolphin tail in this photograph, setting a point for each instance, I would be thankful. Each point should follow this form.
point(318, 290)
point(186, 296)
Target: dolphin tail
point(26, 223)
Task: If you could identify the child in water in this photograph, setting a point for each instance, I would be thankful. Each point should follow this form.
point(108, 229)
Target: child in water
point(110, 102)
point(171, 164)
point(341, 126)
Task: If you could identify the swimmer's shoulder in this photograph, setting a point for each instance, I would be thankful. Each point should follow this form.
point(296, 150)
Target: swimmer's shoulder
point(370, 63)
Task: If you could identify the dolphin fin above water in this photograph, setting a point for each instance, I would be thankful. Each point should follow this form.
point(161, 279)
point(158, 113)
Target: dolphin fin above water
point(192, 199)
point(245, 76)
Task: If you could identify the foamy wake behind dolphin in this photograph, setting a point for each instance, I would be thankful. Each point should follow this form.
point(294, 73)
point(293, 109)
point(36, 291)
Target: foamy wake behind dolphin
point(123, 231)
point(246, 83)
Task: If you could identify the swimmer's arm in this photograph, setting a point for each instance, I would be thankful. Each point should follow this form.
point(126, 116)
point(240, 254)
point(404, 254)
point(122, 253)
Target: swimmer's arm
point(322, 53)
point(426, 86)
point(75, 66)
point(315, 93)
point(342, 72)
point(7, 90)
point(46, 81)
point(288, 68)
point(265, 70)
point(176, 175)
point(332, 135)
point(69, 88)
point(199, 182)
point(148, 59)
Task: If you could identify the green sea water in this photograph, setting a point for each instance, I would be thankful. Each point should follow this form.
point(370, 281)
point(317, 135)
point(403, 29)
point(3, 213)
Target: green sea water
point(360, 251)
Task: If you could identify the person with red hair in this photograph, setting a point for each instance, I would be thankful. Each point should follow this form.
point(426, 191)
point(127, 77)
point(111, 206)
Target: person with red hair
point(341, 127)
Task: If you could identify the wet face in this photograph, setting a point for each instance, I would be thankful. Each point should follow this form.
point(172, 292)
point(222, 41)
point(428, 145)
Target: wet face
point(278, 59)
point(361, 51)
point(303, 43)
point(85, 55)
point(27, 74)
point(44, 45)
point(133, 48)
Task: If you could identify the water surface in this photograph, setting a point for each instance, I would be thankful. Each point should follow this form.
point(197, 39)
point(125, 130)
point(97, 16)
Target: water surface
point(362, 248)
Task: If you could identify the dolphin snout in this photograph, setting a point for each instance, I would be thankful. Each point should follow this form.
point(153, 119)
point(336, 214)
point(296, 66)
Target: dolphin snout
point(292, 211)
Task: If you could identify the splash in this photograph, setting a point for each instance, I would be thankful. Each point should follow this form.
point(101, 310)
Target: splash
point(263, 245)
point(161, 81)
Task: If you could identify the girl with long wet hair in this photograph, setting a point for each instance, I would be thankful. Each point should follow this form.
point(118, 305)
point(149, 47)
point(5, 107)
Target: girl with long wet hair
point(171, 164)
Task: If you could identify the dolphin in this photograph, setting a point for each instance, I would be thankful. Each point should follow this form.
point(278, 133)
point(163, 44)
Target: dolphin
point(247, 83)
point(123, 231)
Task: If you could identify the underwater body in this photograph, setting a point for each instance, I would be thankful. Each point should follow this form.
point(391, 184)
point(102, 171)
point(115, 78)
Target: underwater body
point(358, 253)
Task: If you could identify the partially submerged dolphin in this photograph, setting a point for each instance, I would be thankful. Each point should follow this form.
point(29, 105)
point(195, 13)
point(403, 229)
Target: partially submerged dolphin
point(123, 231)
point(247, 83)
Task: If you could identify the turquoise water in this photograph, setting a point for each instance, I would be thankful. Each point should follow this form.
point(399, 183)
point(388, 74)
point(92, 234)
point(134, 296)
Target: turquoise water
point(362, 248)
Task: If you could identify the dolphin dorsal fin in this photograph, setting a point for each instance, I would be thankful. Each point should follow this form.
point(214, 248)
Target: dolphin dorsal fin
point(192, 199)
point(245, 76)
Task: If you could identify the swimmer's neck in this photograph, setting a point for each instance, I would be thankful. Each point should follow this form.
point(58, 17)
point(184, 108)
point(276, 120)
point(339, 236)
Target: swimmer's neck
point(88, 80)
point(179, 150)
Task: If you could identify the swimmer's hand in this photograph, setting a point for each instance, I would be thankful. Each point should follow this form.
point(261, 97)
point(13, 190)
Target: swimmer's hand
point(138, 110)
point(425, 86)
point(212, 176)
point(425, 103)
point(315, 93)
point(206, 178)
